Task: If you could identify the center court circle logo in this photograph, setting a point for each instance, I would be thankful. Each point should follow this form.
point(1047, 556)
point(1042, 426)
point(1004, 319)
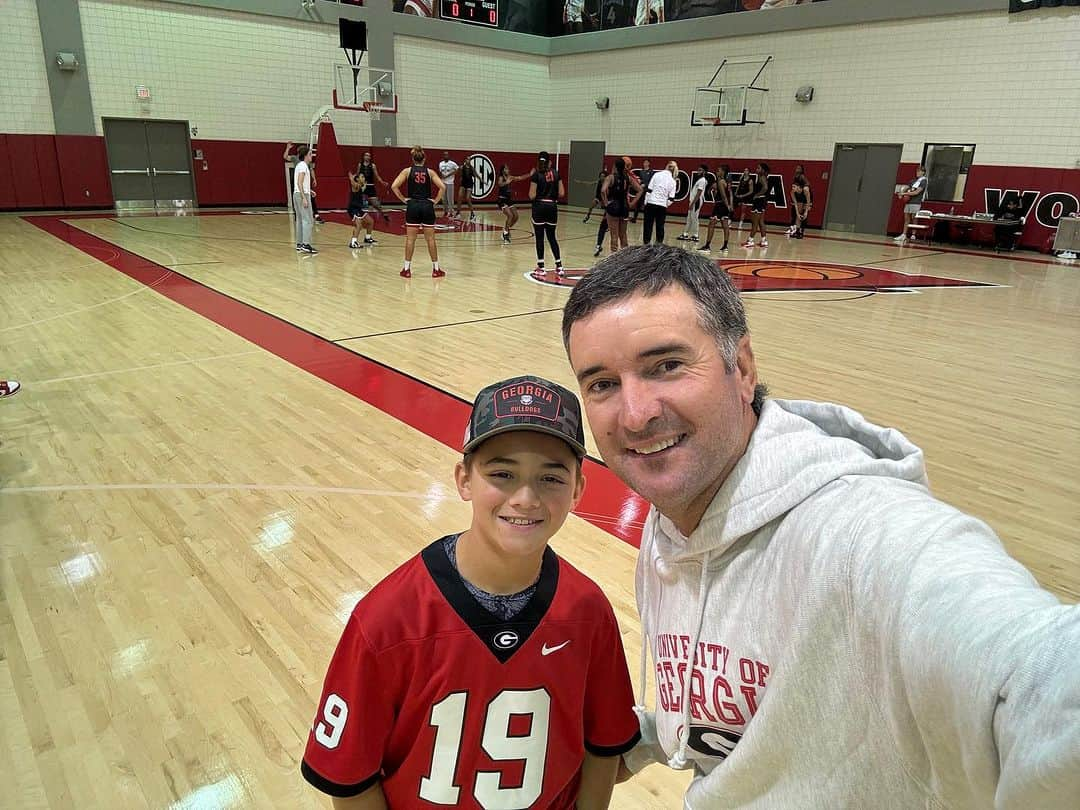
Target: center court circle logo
point(506, 639)
point(483, 174)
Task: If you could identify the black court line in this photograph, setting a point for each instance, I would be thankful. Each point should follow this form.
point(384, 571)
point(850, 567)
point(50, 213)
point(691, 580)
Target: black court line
point(445, 325)
point(905, 258)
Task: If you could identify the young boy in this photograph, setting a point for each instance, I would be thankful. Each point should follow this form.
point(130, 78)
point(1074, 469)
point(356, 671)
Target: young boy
point(486, 672)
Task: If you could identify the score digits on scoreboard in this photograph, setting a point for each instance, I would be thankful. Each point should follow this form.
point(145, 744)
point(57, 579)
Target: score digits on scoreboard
point(478, 12)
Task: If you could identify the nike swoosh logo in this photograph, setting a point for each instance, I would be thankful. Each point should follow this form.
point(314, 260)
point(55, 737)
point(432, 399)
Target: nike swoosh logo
point(546, 650)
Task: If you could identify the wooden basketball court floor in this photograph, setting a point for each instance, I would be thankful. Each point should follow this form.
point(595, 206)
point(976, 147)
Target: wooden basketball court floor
point(221, 446)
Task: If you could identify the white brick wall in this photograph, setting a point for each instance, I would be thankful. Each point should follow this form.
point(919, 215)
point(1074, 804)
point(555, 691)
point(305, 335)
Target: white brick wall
point(1010, 84)
point(24, 89)
point(234, 76)
point(465, 97)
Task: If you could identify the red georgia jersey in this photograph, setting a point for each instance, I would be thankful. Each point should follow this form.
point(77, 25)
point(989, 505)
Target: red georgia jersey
point(449, 706)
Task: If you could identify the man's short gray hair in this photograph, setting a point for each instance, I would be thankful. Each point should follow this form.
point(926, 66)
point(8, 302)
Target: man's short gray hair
point(651, 269)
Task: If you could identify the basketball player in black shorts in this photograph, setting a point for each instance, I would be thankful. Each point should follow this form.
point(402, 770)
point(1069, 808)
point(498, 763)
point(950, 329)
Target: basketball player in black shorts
point(465, 192)
point(614, 195)
point(505, 201)
point(596, 197)
point(801, 203)
point(358, 212)
point(545, 190)
point(370, 172)
point(419, 209)
point(759, 201)
point(722, 206)
point(799, 169)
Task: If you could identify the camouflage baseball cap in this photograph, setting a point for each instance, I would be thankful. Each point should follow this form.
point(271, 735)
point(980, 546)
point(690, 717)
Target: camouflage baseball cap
point(526, 403)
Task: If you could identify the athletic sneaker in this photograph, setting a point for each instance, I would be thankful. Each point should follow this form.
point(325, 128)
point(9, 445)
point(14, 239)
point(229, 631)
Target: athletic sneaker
point(586, 219)
point(299, 248)
point(539, 272)
point(693, 238)
point(369, 241)
point(749, 243)
point(706, 248)
point(506, 237)
point(9, 388)
point(561, 272)
point(472, 217)
point(353, 243)
point(599, 250)
point(405, 272)
point(901, 238)
point(723, 248)
point(764, 243)
point(308, 249)
point(684, 237)
point(437, 272)
point(319, 220)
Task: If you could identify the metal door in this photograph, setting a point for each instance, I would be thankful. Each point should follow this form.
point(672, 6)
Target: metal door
point(845, 182)
point(861, 187)
point(878, 188)
point(586, 160)
point(170, 163)
point(149, 163)
point(129, 163)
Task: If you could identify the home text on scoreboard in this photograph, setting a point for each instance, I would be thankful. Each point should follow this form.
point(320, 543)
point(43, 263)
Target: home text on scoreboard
point(478, 12)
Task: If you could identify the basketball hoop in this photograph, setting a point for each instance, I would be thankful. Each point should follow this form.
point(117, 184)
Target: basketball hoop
point(373, 111)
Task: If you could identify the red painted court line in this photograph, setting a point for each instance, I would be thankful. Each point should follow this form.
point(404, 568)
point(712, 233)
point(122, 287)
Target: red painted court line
point(608, 503)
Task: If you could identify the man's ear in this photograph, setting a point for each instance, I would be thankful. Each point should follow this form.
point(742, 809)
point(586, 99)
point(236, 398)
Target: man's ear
point(463, 480)
point(747, 369)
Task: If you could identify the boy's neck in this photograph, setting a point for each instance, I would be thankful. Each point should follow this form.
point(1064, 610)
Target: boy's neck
point(491, 572)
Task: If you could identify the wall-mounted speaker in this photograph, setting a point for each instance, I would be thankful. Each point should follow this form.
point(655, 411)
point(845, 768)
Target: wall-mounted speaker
point(805, 94)
point(603, 103)
point(66, 61)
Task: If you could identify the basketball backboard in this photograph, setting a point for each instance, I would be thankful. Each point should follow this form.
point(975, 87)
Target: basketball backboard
point(364, 89)
point(735, 96)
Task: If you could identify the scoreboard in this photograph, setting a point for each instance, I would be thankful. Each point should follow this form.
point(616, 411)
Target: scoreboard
point(477, 12)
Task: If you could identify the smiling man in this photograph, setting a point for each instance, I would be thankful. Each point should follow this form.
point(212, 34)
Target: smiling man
point(824, 632)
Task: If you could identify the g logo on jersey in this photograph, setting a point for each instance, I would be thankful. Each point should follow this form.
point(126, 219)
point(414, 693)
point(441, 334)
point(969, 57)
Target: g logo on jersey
point(483, 174)
point(712, 742)
point(505, 640)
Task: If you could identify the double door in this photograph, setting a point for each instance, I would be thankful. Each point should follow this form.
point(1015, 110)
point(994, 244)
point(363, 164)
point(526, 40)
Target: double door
point(862, 186)
point(149, 163)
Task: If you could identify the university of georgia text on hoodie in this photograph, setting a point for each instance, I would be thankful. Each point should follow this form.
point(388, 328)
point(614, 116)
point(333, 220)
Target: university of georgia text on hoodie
point(832, 636)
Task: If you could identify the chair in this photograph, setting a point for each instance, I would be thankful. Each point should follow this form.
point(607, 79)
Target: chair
point(922, 225)
point(1015, 236)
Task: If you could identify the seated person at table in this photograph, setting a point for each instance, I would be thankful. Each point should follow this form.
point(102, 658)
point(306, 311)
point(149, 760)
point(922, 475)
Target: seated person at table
point(1008, 214)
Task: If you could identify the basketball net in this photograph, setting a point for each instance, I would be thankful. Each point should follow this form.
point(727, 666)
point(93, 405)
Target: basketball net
point(373, 112)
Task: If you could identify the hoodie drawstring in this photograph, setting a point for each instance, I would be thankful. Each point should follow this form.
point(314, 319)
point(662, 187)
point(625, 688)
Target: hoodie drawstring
point(678, 761)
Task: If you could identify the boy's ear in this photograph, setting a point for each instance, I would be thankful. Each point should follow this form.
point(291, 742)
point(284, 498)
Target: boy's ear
point(579, 488)
point(461, 479)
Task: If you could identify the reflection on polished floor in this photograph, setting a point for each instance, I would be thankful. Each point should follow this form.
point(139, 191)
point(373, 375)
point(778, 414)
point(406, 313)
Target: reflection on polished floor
point(221, 445)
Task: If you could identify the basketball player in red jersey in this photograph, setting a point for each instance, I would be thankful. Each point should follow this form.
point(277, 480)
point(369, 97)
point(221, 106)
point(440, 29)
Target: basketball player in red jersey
point(419, 209)
point(504, 683)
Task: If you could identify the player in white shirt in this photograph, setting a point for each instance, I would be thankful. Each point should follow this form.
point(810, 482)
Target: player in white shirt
point(302, 182)
point(448, 170)
point(697, 201)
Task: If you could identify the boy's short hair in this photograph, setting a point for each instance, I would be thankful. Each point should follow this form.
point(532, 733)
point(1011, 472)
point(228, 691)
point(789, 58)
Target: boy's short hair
point(526, 403)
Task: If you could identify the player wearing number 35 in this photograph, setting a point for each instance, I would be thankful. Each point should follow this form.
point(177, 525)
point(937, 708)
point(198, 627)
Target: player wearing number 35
point(485, 672)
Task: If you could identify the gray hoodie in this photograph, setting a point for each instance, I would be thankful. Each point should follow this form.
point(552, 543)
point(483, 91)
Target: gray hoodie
point(856, 643)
